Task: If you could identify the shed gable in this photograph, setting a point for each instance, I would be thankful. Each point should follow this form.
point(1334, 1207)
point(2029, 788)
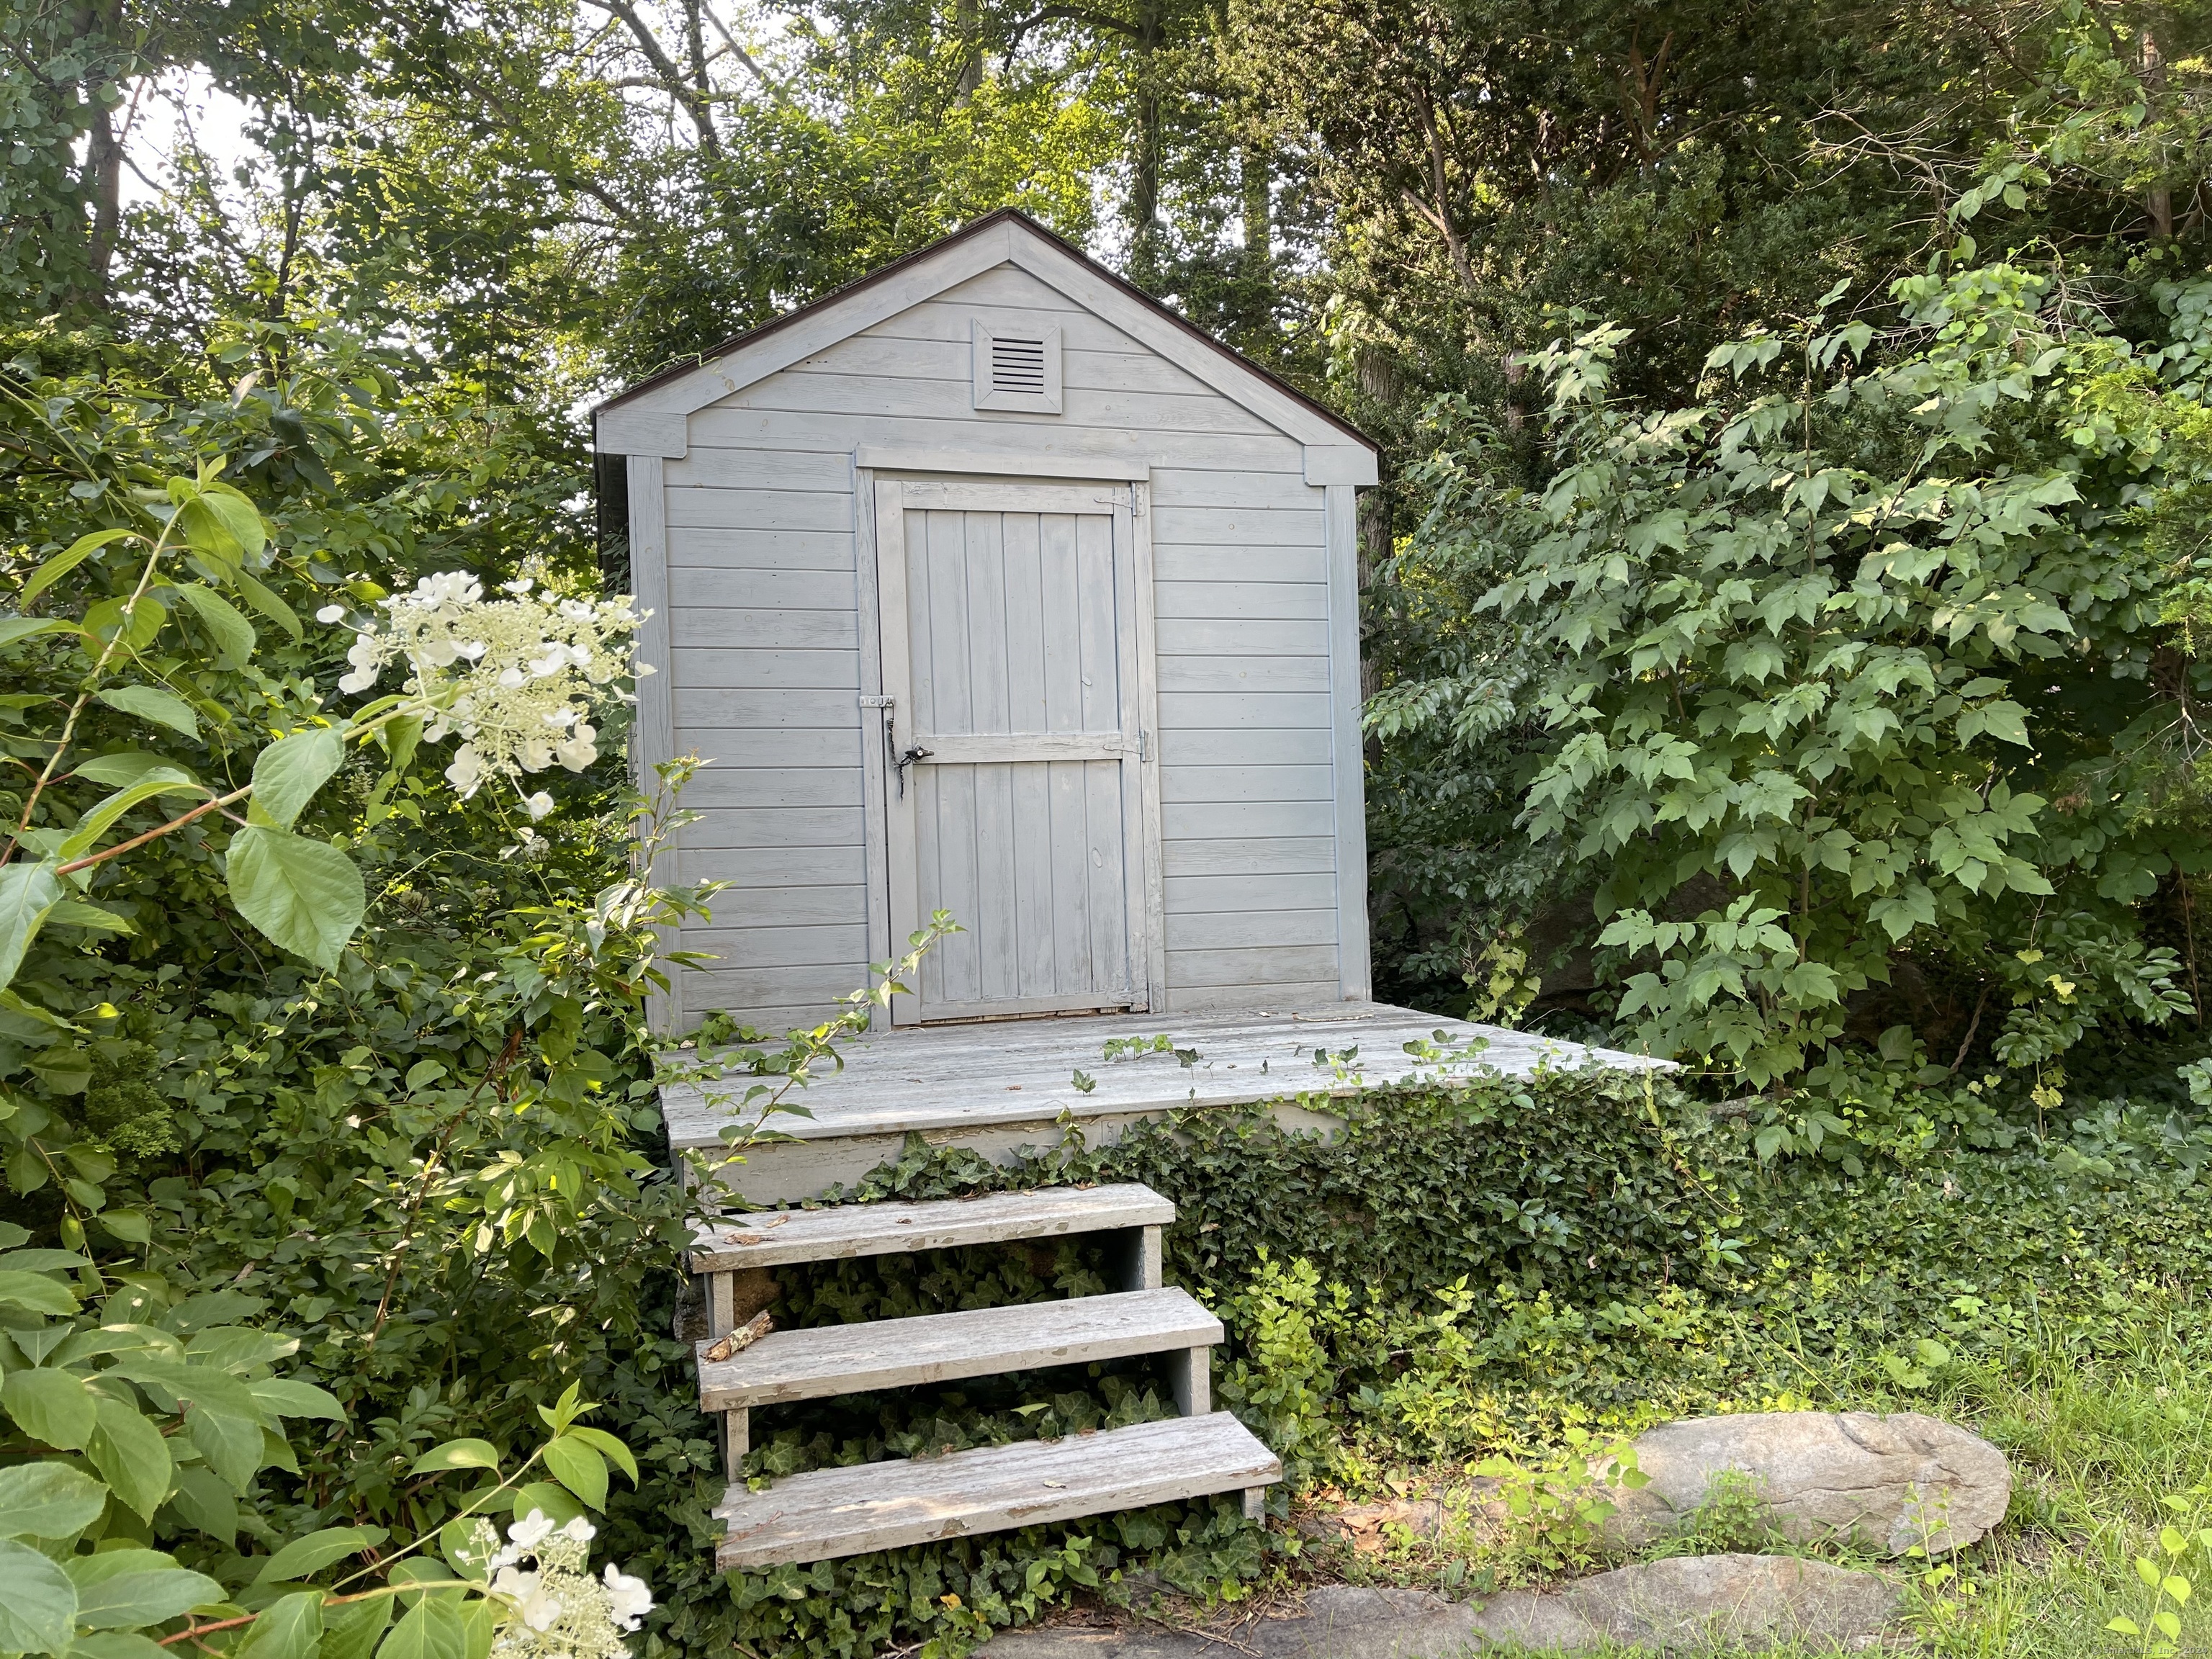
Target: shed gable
point(755, 541)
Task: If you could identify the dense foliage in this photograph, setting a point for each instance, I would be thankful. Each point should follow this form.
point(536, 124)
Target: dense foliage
point(1488, 1267)
point(1786, 608)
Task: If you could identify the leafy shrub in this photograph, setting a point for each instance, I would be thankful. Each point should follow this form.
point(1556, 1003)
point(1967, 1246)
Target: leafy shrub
point(1846, 671)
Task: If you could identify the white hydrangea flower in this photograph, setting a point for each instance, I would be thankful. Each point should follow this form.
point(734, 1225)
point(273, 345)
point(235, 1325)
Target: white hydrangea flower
point(506, 674)
point(539, 804)
point(556, 1610)
point(532, 1530)
point(629, 1599)
point(330, 613)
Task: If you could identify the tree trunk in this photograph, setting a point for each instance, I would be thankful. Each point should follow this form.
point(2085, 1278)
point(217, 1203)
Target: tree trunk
point(2158, 200)
point(103, 165)
point(701, 103)
point(1145, 162)
point(967, 22)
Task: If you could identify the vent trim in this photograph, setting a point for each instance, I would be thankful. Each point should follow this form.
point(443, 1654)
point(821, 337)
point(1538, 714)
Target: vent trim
point(1017, 371)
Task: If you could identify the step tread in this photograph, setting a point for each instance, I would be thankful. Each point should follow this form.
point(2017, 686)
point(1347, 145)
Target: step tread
point(778, 1237)
point(899, 1353)
point(829, 1513)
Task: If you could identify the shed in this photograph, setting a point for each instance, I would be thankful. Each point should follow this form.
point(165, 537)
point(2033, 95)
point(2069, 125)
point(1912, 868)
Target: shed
point(988, 584)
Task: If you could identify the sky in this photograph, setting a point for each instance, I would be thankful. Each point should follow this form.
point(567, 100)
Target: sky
point(165, 111)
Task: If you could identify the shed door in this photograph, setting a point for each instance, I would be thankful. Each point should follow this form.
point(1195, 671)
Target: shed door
point(1009, 640)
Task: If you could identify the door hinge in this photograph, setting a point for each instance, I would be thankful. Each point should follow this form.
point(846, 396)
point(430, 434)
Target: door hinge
point(1144, 745)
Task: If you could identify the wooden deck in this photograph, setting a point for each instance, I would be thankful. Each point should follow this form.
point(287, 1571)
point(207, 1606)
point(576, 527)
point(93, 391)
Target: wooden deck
point(1003, 1085)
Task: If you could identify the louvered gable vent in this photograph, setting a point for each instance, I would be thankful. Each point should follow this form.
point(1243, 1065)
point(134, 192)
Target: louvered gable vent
point(1018, 370)
point(1018, 365)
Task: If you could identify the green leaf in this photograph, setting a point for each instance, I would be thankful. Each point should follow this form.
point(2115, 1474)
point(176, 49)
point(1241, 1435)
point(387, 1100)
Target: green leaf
point(310, 1554)
point(232, 1445)
point(129, 1225)
point(479, 1626)
point(286, 773)
point(27, 893)
point(458, 1454)
point(291, 1628)
point(219, 520)
point(96, 822)
point(399, 738)
point(550, 1500)
point(288, 1396)
point(233, 635)
point(119, 1644)
point(221, 1418)
point(38, 1603)
point(76, 913)
point(305, 895)
point(578, 1467)
point(132, 1454)
point(611, 1448)
point(270, 605)
point(48, 1500)
point(431, 1630)
point(15, 628)
point(201, 1500)
point(465, 1551)
point(149, 703)
point(129, 1600)
point(53, 1406)
point(124, 768)
point(66, 561)
point(350, 1631)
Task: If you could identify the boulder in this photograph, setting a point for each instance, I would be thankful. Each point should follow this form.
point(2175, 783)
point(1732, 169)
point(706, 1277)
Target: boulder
point(1691, 1603)
point(1698, 1601)
point(1893, 1482)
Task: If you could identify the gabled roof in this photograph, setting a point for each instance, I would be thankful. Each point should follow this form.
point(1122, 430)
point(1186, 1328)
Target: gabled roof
point(650, 418)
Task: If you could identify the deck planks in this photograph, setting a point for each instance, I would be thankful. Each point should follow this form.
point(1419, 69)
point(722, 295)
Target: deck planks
point(828, 1513)
point(959, 1077)
point(926, 1348)
point(780, 1238)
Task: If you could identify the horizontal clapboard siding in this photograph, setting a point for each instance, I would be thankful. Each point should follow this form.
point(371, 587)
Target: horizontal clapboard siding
point(753, 868)
point(802, 746)
point(786, 907)
point(735, 427)
point(765, 639)
point(835, 946)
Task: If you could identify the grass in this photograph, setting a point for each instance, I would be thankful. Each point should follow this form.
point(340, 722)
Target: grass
point(2098, 1443)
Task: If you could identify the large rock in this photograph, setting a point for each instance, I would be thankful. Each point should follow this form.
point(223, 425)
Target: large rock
point(1710, 1601)
point(1694, 1602)
point(1893, 1482)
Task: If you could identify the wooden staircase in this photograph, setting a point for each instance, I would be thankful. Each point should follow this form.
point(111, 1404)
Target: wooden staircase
point(874, 1506)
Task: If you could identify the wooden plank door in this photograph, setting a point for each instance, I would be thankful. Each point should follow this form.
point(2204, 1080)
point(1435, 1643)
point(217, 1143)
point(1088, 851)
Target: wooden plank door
point(1009, 636)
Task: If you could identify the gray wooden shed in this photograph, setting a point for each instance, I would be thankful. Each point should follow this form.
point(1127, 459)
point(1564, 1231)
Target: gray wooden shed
point(988, 584)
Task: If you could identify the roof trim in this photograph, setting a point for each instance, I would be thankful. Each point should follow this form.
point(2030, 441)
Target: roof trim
point(650, 416)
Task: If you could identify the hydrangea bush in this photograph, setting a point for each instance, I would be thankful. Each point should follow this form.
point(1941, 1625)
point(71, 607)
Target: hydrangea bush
point(516, 678)
point(143, 1419)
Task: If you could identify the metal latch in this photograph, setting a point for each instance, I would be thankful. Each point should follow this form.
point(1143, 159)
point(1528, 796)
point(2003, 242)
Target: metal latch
point(898, 761)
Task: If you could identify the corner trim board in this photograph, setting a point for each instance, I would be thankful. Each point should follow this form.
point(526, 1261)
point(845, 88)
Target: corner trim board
point(1340, 503)
point(652, 739)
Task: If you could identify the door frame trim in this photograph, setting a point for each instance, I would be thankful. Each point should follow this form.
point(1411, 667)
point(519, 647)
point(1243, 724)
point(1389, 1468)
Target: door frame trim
point(875, 491)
